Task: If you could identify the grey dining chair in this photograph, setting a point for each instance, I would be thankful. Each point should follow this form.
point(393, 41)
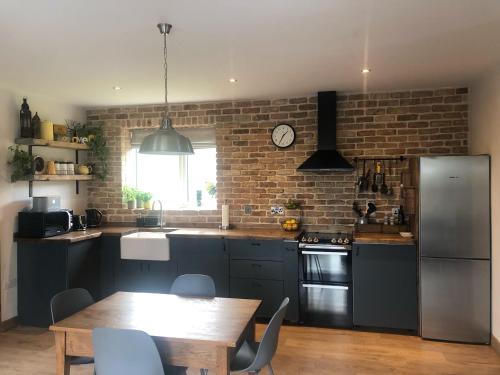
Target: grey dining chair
point(127, 352)
point(194, 285)
point(67, 303)
point(252, 356)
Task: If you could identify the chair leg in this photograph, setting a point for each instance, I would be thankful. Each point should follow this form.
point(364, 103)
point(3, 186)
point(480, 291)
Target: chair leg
point(271, 371)
point(203, 371)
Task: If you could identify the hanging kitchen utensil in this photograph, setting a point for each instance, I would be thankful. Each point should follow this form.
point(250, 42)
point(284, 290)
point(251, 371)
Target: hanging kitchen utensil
point(390, 192)
point(366, 181)
point(377, 177)
point(361, 179)
point(383, 188)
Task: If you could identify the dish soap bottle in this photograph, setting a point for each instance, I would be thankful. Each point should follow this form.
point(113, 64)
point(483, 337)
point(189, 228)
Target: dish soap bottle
point(25, 117)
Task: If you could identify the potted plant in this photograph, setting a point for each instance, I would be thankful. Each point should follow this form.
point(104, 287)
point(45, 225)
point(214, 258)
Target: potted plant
point(129, 196)
point(139, 199)
point(98, 147)
point(147, 200)
point(211, 189)
point(21, 164)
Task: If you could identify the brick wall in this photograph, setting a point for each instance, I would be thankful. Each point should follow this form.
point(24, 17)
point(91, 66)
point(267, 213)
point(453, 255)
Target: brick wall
point(251, 171)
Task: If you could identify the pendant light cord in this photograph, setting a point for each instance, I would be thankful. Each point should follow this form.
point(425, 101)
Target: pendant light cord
point(165, 66)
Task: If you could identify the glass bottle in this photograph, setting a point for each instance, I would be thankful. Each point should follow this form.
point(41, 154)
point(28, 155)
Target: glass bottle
point(36, 124)
point(25, 117)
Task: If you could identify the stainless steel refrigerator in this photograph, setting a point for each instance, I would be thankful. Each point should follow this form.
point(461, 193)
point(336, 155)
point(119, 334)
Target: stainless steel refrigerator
point(455, 248)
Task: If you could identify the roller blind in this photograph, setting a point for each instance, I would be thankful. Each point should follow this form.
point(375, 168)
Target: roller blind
point(200, 137)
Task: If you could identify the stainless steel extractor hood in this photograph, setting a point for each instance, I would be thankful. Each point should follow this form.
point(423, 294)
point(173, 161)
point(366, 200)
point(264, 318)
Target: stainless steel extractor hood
point(326, 157)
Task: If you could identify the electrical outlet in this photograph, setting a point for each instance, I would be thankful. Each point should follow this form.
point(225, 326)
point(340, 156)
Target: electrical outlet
point(277, 210)
point(395, 211)
point(248, 210)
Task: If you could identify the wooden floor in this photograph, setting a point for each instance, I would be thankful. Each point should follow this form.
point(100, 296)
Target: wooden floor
point(302, 351)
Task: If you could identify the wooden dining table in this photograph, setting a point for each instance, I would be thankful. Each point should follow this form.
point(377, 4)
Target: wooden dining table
point(189, 332)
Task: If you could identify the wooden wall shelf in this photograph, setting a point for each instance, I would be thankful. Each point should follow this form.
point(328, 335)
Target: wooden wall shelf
point(54, 144)
point(50, 177)
point(35, 142)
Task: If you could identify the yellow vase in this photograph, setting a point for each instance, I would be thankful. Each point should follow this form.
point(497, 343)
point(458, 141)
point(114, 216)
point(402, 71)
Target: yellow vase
point(47, 130)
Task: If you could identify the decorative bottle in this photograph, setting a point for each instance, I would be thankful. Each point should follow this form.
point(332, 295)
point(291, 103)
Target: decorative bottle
point(25, 117)
point(36, 124)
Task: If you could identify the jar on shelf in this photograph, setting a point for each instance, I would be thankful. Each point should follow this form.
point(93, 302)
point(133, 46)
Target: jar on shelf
point(58, 167)
point(70, 168)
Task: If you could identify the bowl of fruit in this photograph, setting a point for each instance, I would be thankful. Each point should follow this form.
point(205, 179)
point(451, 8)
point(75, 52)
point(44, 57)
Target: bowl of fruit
point(290, 224)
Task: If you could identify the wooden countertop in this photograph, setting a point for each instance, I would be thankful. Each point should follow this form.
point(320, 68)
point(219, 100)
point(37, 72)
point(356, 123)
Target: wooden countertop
point(92, 233)
point(264, 234)
point(382, 238)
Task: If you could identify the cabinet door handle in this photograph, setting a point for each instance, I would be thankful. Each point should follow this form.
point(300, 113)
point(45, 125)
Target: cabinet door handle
point(256, 265)
point(255, 244)
point(257, 285)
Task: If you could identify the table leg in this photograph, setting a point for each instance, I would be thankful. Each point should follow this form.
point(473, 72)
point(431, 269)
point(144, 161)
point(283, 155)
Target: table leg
point(222, 361)
point(251, 334)
point(62, 360)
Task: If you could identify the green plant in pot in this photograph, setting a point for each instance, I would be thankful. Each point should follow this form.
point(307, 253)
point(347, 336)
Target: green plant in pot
point(139, 199)
point(211, 189)
point(21, 164)
point(129, 196)
point(147, 199)
point(98, 147)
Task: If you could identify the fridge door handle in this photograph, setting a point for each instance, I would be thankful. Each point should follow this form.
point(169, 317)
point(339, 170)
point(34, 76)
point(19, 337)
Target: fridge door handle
point(320, 286)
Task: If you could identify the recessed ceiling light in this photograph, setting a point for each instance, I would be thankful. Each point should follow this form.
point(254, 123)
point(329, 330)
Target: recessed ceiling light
point(233, 80)
point(366, 71)
point(117, 88)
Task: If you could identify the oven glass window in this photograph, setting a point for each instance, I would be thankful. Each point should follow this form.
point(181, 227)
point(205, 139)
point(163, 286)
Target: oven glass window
point(326, 267)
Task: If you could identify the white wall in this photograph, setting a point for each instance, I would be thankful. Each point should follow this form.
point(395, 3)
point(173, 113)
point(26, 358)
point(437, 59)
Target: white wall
point(14, 197)
point(484, 137)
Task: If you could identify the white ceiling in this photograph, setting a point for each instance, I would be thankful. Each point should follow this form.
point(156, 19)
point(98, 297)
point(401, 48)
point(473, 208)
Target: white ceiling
point(77, 50)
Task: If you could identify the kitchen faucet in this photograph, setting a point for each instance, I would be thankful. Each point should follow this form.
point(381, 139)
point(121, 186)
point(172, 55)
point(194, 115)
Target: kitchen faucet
point(161, 211)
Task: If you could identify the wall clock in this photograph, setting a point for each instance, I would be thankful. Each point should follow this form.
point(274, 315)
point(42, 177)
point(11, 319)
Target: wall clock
point(283, 135)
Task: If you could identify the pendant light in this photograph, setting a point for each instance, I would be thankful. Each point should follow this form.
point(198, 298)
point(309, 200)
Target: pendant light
point(166, 141)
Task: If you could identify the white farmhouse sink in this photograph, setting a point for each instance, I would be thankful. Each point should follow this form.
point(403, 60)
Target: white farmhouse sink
point(145, 246)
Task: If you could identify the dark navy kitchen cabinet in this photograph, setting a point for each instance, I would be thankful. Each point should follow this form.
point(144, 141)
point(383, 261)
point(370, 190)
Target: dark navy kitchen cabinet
point(45, 268)
point(110, 260)
point(146, 276)
point(206, 256)
point(385, 286)
point(265, 270)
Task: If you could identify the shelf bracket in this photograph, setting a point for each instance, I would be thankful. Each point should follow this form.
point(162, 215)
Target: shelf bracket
point(77, 183)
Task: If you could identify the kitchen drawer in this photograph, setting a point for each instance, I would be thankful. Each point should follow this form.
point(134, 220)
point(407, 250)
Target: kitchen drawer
point(269, 291)
point(256, 269)
point(256, 249)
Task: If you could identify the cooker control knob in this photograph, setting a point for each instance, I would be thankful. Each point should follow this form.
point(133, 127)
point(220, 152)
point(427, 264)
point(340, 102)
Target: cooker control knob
point(346, 240)
point(309, 239)
point(304, 239)
point(334, 241)
point(315, 239)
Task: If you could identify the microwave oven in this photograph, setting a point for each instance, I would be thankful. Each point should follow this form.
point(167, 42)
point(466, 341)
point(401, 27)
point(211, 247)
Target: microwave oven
point(43, 224)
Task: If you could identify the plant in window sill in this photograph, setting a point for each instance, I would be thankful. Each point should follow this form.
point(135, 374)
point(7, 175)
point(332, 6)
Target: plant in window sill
point(21, 164)
point(147, 200)
point(211, 189)
point(129, 195)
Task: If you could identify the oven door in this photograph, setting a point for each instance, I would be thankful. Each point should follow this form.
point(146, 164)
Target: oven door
point(327, 305)
point(328, 266)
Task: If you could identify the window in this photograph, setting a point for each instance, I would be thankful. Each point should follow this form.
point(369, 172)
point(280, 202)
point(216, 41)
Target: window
point(179, 181)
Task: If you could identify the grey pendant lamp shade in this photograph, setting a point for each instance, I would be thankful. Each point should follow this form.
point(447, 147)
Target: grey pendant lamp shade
point(166, 141)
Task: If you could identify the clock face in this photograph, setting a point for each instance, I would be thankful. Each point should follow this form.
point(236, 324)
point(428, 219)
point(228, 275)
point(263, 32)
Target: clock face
point(283, 135)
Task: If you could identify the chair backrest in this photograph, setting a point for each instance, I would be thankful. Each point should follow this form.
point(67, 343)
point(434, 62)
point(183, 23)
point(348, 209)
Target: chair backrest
point(194, 285)
point(69, 302)
point(125, 352)
point(269, 343)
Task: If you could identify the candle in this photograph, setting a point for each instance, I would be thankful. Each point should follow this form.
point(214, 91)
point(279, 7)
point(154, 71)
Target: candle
point(47, 130)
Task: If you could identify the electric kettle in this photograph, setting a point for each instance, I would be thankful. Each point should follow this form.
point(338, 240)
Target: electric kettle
point(94, 217)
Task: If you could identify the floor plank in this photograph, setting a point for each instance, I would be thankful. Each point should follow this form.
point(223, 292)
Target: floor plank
point(302, 351)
